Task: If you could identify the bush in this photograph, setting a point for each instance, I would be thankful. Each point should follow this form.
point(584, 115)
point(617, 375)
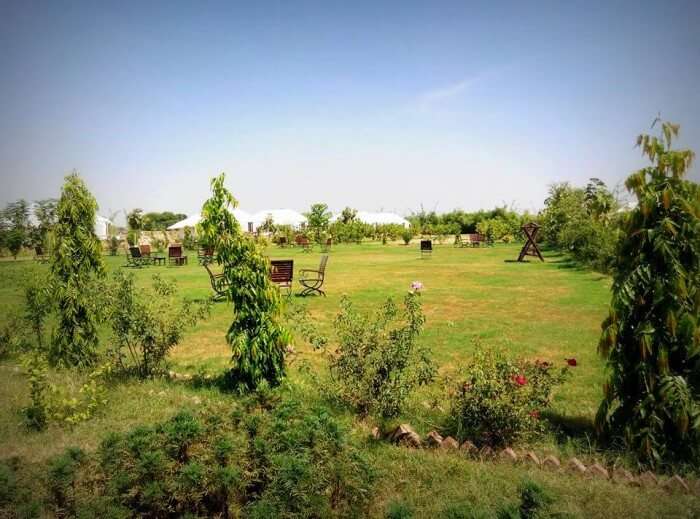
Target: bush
point(406, 236)
point(147, 324)
point(282, 462)
point(62, 474)
point(498, 400)
point(378, 362)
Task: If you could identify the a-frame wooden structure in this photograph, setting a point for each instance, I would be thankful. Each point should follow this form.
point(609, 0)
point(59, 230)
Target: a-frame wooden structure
point(530, 248)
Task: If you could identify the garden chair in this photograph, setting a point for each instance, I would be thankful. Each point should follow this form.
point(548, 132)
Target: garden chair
point(282, 241)
point(175, 256)
point(303, 242)
point(460, 242)
point(426, 248)
point(312, 280)
point(145, 250)
point(219, 284)
point(41, 257)
point(134, 258)
point(205, 255)
point(327, 245)
point(281, 273)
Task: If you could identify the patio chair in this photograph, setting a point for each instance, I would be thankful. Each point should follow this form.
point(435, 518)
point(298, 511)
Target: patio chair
point(145, 250)
point(205, 255)
point(326, 247)
point(41, 256)
point(426, 248)
point(303, 242)
point(312, 280)
point(219, 284)
point(135, 259)
point(175, 256)
point(281, 273)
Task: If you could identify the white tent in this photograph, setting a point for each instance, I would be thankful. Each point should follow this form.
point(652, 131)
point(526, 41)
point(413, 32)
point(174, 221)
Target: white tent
point(279, 217)
point(243, 218)
point(102, 227)
point(381, 218)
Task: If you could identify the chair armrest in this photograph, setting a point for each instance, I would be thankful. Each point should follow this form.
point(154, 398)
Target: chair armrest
point(314, 271)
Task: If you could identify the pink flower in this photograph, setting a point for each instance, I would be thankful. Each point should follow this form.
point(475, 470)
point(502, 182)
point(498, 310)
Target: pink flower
point(571, 362)
point(416, 286)
point(520, 380)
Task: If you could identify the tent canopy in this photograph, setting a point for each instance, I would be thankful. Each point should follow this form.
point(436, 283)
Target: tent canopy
point(279, 217)
point(243, 218)
point(381, 218)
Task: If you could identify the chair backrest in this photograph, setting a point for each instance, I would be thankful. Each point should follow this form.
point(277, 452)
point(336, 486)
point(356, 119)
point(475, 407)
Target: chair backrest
point(206, 251)
point(426, 245)
point(145, 250)
point(135, 252)
point(175, 251)
point(322, 265)
point(281, 271)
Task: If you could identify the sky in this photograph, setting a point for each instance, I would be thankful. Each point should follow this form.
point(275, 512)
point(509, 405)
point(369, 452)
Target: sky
point(375, 105)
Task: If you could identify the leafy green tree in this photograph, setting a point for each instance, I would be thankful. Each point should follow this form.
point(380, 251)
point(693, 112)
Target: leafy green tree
point(256, 335)
point(651, 339)
point(76, 264)
point(45, 214)
point(16, 217)
point(160, 221)
point(318, 219)
point(348, 215)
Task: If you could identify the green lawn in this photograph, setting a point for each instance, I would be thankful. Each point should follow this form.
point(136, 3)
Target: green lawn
point(547, 311)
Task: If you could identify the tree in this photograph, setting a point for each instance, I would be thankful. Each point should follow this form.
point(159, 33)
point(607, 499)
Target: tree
point(75, 266)
point(348, 215)
point(160, 221)
point(45, 214)
point(318, 219)
point(16, 216)
point(651, 339)
point(256, 336)
point(134, 219)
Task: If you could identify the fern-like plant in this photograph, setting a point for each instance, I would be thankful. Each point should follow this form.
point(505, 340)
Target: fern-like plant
point(651, 339)
point(256, 335)
point(76, 263)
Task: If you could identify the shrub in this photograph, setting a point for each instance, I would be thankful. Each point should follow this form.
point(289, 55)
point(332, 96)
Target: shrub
point(533, 503)
point(62, 474)
point(189, 241)
point(113, 246)
point(498, 400)
point(399, 510)
point(378, 362)
point(282, 462)
point(318, 219)
point(651, 338)
point(406, 236)
point(75, 265)
point(256, 336)
point(147, 324)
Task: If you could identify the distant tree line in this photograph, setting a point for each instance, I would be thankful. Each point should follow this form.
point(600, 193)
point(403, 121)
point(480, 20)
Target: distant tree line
point(18, 230)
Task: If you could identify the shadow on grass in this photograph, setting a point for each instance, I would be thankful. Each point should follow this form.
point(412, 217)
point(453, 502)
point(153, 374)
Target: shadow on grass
point(569, 427)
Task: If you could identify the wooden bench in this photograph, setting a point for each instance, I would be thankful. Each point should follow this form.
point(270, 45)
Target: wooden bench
point(426, 248)
point(282, 273)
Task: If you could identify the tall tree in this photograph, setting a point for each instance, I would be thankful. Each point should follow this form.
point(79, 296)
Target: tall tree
point(256, 336)
point(45, 214)
point(651, 338)
point(76, 263)
point(348, 215)
point(318, 219)
point(16, 216)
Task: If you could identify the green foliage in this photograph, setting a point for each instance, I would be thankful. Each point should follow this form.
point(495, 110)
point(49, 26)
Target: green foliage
point(318, 219)
point(135, 220)
point(62, 474)
point(282, 462)
point(651, 339)
point(406, 235)
point(387, 232)
point(35, 414)
point(498, 400)
point(160, 221)
point(76, 264)
point(465, 511)
point(38, 306)
point(189, 241)
point(257, 338)
point(113, 246)
point(147, 324)
point(45, 214)
point(348, 215)
point(583, 222)
point(507, 221)
point(378, 361)
point(534, 503)
point(399, 510)
point(8, 483)
point(352, 231)
point(15, 227)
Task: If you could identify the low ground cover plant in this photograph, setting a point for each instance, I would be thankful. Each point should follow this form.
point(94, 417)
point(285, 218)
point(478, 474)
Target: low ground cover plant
point(498, 400)
point(252, 461)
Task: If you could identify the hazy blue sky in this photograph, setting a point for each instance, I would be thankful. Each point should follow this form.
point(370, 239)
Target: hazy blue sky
point(368, 104)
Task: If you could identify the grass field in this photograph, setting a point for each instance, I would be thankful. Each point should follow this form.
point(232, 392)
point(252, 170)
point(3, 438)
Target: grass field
point(547, 311)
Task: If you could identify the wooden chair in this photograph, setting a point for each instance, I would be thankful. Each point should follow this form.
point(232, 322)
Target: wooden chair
point(303, 242)
point(41, 256)
point(426, 248)
point(282, 241)
point(134, 258)
point(327, 245)
point(205, 255)
point(282, 273)
point(219, 284)
point(460, 242)
point(145, 251)
point(312, 280)
point(476, 239)
point(175, 256)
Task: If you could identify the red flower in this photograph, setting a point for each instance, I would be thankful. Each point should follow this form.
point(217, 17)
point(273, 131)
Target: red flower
point(520, 380)
point(535, 414)
point(571, 362)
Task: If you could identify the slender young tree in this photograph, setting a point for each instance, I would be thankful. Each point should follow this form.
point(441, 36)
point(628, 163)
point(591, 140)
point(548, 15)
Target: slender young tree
point(651, 338)
point(76, 263)
point(257, 338)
